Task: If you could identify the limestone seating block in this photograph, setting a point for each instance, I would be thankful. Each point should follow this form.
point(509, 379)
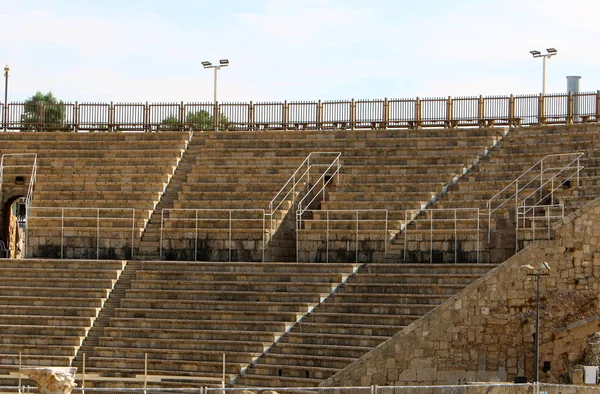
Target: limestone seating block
point(220, 204)
point(181, 306)
point(432, 279)
point(133, 179)
point(181, 344)
point(270, 267)
point(51, 301)
point(256, 296)
point(59, 321)
point(121, 169)
point(347, 339)
point(35, 360)
point(235, 285)
point(44, 282)
point(320, 350)
point(96, 137)
point(247, 277)
point(124, 366)
point(258, 186)
point(397, 320)
point(307, 360)
point(187, 335)
point(23, 291)
point(35, 349)
point(74, 311)
point(200, 324)
point(53, 340)
point(214, 315)
point(368, 330)
point(43, 331)
point(68, 186)
point(142, 205)
point(189, 356)
point(48, 272)
point(380, 308)
point(268, 371)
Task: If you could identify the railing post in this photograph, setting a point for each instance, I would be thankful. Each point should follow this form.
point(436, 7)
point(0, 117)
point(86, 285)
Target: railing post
point(352, 114)
point(385, 114)
point(570, 118)
point(216, 115)
point(97, 233)
point(480, 111)
point(417, 113)
point(76, 116)
point(41, 115)
point(251, 125)
point(598, 106)
point(181, 114)
point(449, 114)
point(162, 221)
point(320, 115)
point(285, 115)
point(511, 110)
point(111, 117)
point(146, 117)
point(196, 237)
point(541, 109)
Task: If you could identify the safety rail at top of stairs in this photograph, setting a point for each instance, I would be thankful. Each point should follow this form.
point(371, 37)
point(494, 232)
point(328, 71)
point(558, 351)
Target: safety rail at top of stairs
point(302, 176)
point(529, 179)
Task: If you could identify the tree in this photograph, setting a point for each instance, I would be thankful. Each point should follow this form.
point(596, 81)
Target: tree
point(200, 120)
point(43, 111)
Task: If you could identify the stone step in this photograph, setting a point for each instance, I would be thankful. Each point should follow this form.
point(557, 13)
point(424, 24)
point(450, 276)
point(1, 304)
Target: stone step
point(198, 334)
point(214, 315)
point(184, 306)
point(200, 324)
point(230, 296)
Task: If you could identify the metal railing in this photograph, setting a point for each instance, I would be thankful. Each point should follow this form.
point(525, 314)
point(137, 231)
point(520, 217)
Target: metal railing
point(533, 181)
point(529, 216)
point(467, 388)
point(293, 188)
point(447, 112)
point(71, 221)
point(318, 187)
point(348, 221)
point(455, 217)
point(190, 221)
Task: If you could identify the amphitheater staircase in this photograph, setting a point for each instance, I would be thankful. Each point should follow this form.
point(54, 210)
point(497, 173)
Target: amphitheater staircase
point(186, 315)
point(373, 305)
point(149, 243)
point(79, 173)
point(518, 151)
point(47, 308)
point(108, 310)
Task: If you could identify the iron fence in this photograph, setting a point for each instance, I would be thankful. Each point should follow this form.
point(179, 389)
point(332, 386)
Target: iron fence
point(520, 110)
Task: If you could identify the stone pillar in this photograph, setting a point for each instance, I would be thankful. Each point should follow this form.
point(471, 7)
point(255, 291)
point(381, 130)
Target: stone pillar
point(52, 380)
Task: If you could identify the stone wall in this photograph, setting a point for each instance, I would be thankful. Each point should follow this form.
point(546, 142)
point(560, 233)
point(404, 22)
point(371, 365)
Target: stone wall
point(485, 333)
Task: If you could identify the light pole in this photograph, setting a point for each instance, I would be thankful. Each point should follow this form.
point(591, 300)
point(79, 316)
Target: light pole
point(549, 53)
point(217, 67)
point(542, 270)
point(5, 112)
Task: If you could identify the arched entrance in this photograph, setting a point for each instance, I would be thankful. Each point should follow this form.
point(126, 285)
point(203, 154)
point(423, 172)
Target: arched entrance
point(13, 227)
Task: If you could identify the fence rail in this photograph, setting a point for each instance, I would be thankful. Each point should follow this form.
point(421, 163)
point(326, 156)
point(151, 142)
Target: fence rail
point(413, 113)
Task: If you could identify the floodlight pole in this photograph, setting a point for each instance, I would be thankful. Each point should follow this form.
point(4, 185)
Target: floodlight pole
point(549, 53)
point(5, 109)
point(542, 270)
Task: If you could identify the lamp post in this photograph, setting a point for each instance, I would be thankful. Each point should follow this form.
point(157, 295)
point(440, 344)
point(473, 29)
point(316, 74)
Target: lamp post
point(217, 67)
point(542, 270)
point(549, 53)
point(5, 112)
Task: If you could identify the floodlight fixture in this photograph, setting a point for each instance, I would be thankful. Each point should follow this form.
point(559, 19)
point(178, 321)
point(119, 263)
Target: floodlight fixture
point(206, 64)
point(549, 53)
point(224, 62)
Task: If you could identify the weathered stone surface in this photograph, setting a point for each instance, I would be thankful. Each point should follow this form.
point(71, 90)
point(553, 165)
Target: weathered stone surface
point(486, 331)
point(52, 380)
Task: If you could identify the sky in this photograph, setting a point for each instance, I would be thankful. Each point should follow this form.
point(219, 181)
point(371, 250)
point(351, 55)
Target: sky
point(295, 50)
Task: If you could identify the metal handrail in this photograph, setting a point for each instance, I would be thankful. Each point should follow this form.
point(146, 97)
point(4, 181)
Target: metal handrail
point(195, 219)
point(540, 176)
point(455, 219)
point(553, 187)
point(324, 182)
point(523, 210)
point(79, 209)
point(295, 180)
point(355, 220)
